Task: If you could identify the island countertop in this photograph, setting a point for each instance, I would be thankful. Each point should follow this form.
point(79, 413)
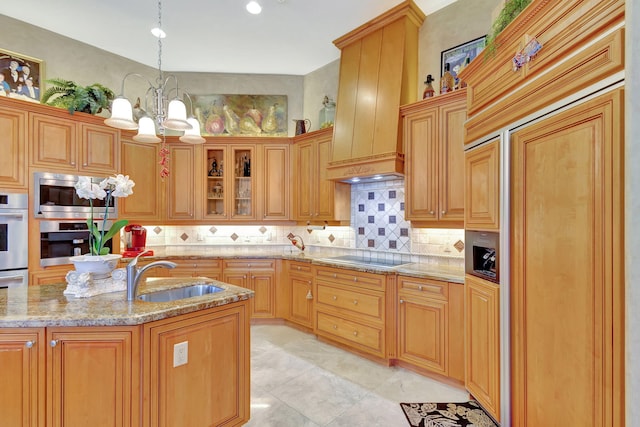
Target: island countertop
point(46, 305)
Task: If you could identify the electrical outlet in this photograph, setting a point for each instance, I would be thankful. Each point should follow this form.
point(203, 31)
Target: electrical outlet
point(180, 353)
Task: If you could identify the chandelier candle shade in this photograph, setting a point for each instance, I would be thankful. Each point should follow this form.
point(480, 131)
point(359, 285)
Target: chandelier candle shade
point(163, 114)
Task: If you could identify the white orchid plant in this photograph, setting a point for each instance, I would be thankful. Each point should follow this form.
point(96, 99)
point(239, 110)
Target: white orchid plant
point(114, 186)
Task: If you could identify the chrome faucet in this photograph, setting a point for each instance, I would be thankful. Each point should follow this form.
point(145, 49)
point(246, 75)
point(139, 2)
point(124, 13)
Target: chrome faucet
point(134, 274)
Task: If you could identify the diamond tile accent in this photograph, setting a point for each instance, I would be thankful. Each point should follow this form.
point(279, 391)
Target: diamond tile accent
point(380, 231)
point(392, 194)
point(371, 243)
point(371, 219)
point(157, 230)
point(459, 245)
point(381, 207)
point(402, 206)
point(392, 219)
point(213, 230)
point(361, 231)
point(404, 232)
point(331, 238)
point(393, 244)
point(360, 207)
point(234, 237)
point(371, 195)
point(184, 236)
point(290, 235)
point(262, 229)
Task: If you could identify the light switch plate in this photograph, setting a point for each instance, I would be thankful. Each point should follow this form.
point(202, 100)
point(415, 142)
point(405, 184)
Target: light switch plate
point(180, 353)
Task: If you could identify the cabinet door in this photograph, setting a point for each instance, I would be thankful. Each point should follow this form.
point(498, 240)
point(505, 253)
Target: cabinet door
point(93, 377)
point(482, 188)
point(22, 358)
point(181, 182)
point(567, 281)
point(13, 162)
point(244, 184)
point(301, 310)
point(421, 180)
point(482, 340)
point(423, 333)
point(99, 149)
point(323, 191)
point(303, 180)
point(49, 276)
point(451, 170)
point(215, 375)
point(263, 303)
point(218, 187)
point(53, 142)
point(140, 162)
point(274, 198)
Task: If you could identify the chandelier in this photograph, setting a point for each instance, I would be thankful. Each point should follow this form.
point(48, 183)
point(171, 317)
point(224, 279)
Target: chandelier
point(163, 113)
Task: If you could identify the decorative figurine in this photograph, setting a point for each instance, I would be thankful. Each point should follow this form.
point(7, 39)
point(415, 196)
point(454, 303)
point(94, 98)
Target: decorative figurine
point(429, 92)
point(447, 82)
point(214, 168)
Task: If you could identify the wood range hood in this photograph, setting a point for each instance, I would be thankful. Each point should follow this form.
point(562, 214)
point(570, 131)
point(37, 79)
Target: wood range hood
point(378, 73)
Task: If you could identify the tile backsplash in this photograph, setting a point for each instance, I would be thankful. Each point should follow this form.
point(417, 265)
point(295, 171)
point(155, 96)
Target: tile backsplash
point(377, 227)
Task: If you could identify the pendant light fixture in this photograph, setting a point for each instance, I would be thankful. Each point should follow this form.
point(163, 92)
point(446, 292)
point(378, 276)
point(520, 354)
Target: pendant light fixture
point(164, 113)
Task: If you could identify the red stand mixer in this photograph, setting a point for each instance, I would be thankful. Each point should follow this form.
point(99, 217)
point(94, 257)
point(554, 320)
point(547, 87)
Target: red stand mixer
point(135, 241)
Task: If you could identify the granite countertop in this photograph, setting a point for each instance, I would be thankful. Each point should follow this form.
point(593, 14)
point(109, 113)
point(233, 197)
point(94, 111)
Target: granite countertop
point(413, 269)
point(46, 305)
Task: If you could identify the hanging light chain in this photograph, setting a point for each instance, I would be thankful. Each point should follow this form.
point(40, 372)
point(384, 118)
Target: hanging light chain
point(160, 42)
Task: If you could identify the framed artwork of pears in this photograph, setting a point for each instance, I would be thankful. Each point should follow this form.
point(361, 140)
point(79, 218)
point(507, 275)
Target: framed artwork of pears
point(241, 115)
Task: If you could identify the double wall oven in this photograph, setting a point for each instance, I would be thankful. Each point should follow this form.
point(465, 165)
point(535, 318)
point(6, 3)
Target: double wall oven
point(14, 228)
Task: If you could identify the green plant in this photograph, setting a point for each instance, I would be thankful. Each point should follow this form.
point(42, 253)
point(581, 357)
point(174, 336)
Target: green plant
point(511, 9)
point(87, 99)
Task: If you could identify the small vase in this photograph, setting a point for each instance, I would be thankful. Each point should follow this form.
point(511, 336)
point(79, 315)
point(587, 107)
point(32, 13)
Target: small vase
point(100, 266)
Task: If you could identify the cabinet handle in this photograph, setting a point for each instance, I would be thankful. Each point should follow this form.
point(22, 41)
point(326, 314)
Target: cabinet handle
point(53, 343)
point(355, 333)
point(29, 344)
point(309, 295)
point(401, 301)
point(355, 302)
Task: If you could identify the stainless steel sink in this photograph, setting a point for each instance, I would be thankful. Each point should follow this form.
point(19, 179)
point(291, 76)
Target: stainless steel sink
point(179, 293)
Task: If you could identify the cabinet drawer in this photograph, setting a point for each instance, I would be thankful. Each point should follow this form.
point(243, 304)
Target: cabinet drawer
point(424, 287)
point(356, 302)
point(249, 264)
point(299, 268)
point(208, 264)
point(363, 335)
point(350, 278)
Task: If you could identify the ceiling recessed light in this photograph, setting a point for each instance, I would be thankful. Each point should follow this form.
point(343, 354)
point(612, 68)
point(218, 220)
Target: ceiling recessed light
point(355, 179)
point(254, 7)
point(377, 177)
point(157, 32)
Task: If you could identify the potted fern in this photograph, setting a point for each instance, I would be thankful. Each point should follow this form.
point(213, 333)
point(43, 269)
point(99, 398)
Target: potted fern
point(510, 10)
point(67, 94)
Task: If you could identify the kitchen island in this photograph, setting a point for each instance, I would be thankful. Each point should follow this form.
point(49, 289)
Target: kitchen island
point(104, 361)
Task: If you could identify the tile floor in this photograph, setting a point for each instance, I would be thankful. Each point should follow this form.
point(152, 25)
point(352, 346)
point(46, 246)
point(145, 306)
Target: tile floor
point(298, 381)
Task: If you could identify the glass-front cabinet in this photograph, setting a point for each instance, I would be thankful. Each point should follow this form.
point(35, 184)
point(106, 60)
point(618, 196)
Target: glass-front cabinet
point(230, 182)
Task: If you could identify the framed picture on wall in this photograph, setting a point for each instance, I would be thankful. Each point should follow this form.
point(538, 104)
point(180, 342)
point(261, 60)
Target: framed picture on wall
point(457, 55)
point(21, 76)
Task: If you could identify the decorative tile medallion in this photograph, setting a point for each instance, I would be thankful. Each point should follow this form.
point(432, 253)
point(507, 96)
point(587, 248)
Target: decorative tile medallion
point(213, 230)
point(157, 230)
point(234, 237)
point(459, 245)
point(262, 229)
point(184, 236)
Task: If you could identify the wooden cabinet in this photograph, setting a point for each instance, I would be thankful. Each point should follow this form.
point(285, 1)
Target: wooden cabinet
point(22, 395)
point(13, 162)
point(259, 275)
point(140, 162)
point(215, 375)
point(49, 275)
point(71, 146)
point(299, 282)
point(430, 326)
point(482, 187)
point(315, 197)
point(75, 377)
point(93, 376)
point(211, 268)
point(482, 342)
point(567, 280)
point(351, 309)
point(274, 200)
point(181, 183)
point(434, 141)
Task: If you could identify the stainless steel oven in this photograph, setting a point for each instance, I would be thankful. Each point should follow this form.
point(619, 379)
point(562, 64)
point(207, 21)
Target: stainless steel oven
point(14, 254)
point(60, 240)
point(482, 254)
point(55, 197)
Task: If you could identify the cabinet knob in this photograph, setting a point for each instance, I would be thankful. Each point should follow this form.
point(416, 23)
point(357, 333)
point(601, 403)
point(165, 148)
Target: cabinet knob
point(355, 302)
point(335, 326)
point(253, 277)
point(309, 282)
point(355, 333)
point(401, 301)
point(444, 212)
point(335, 298)
point(431, 212)
point(73, 163)
point(298, 267)
point(335, 275)
point(355, 279)
point(309, 295)
point(420, 287)
point(53, 343)
point(29, 344)
point(85, 165)
point(244, 277)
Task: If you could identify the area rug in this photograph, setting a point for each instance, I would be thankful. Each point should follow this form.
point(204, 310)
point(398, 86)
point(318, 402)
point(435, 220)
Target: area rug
point(463, 414)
